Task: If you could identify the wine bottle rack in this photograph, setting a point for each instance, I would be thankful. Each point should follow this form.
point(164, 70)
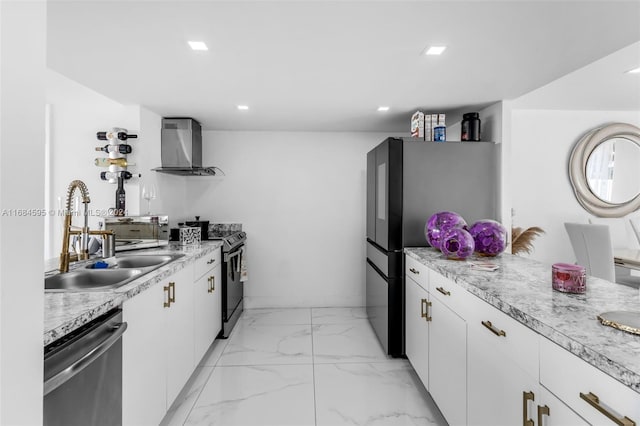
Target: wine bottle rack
point(114, 140)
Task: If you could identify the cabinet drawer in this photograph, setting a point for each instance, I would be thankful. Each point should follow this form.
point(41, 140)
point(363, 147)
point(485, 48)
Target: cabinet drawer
point(507, 336)
point(417, 271)
point(207, 263)
point(451, 294)
point(567, 376)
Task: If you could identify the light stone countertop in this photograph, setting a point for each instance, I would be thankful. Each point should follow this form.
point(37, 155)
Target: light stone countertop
point(67, 311)
point(521, 288)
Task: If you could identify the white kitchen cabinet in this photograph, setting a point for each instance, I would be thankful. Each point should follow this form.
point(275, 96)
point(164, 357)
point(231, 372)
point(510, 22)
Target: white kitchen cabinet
point(417, 329)
point(178, 324)
point(207, 303)
point(144, 361)
point(502, 368)
point(436, 342)
point(592, 394)
point(550, 411)
point(157, 348)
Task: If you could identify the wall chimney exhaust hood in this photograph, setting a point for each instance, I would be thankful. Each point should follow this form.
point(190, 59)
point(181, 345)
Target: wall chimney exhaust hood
point(181, 148)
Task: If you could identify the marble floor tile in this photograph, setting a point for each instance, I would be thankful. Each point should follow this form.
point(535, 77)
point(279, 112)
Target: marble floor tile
point(337, 315)
point(352, 341)
point(276, 316)
point(372, 394)
point(213, 353)
point(177, 414)
point(273, 344)
point(274, 395)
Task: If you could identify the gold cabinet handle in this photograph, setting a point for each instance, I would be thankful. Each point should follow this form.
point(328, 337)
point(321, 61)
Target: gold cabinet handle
point(424, 309)
point(172, 286)
point(168, 302)
point(212, 284)
point(526, 397)
point(493, 329)
point(443, 291)
point(210, 261)
point(594, 401)
point(542, 411)
point(415, 271)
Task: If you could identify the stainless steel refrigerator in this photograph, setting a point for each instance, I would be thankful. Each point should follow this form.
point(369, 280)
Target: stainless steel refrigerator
point(409, 180)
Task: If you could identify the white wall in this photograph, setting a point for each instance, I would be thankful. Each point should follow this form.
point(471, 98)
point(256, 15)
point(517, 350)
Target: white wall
point(22, 105)
point(301, 199)
point(541, 193)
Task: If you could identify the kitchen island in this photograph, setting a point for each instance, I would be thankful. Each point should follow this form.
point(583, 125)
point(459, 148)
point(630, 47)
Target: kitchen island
point(66, 311)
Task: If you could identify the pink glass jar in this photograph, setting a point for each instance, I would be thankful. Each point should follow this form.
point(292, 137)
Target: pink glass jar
point(568, 278)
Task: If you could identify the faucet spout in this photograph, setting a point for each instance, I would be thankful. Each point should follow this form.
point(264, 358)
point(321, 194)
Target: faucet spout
point(65, 257)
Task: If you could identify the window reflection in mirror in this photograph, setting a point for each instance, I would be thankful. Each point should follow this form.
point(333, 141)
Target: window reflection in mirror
point(613, 171)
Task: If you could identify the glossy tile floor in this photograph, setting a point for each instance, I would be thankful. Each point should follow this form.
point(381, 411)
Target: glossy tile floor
point(320, 366)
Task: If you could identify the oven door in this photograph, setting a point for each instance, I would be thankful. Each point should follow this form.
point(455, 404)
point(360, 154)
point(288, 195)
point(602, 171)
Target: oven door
point(232, 289)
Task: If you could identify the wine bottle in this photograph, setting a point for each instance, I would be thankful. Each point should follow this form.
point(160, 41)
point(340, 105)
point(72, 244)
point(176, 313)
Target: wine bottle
point(115, 175)
point(106, 162)
point(120, 198)
point(120, 148)
point(114, 135)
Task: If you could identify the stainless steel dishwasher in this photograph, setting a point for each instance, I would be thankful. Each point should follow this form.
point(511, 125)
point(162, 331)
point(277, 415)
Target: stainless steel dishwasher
point(83, 374)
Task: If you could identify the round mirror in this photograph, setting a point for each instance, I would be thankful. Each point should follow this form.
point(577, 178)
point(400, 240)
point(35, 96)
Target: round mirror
point(604, 169)
point(613, 170)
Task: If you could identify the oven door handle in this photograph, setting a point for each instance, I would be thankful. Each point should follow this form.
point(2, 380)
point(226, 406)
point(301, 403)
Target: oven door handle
point(79, 365)
point(228, 257)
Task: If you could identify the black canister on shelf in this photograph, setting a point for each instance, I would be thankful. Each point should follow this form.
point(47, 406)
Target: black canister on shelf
point(470, 128)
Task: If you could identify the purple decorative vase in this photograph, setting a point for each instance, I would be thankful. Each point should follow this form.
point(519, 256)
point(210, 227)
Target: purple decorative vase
point(490, 237)
point(457, 244)
point(440, 222)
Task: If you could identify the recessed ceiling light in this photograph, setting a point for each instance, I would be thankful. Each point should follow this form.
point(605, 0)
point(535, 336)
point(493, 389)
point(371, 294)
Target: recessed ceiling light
point(198, 45)
point(383, 108)
point(435, 50)
point(243, 107)
point(634, 71)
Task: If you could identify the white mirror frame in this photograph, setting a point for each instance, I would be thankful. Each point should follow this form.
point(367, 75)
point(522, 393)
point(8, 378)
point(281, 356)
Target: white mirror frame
point(578, 167)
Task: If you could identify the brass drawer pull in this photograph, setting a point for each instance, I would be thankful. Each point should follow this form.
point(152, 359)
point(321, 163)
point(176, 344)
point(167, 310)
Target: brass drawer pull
point(212, 284)
point(493, 329)
point(594, 401)
point(526, 397)
point(424, 309)
point(415, 271)
point(168, 302)
point(210, 261)
point(172, 286)
point(443, 291)
point(542, 411)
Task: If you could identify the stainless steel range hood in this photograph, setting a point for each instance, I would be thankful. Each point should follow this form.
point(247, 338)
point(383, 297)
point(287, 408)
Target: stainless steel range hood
point(181, 148)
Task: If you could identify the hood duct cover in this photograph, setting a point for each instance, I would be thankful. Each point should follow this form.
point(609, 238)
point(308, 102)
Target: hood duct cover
point(181, 148)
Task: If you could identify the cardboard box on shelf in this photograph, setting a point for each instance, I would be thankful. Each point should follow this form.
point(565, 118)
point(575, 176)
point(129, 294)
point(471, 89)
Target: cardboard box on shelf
point(417, 125)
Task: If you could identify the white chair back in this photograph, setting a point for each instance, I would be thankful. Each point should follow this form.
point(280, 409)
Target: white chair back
point(593, 249)
point(621, 230)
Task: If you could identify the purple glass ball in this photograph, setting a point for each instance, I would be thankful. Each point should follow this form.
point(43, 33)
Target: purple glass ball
point(457, 243)
point(489, 236)
point(440, 222)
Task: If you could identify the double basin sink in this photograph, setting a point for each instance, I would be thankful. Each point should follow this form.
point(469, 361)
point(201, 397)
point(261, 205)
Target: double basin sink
point(121, 270)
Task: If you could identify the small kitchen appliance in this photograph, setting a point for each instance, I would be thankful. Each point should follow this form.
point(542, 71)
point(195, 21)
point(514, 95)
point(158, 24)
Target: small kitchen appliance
point(136, 232)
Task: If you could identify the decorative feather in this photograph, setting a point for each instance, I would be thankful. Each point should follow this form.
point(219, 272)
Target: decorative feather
point(522, 241)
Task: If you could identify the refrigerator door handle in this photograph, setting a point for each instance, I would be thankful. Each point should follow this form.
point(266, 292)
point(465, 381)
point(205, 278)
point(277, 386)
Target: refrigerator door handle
point(378, 271)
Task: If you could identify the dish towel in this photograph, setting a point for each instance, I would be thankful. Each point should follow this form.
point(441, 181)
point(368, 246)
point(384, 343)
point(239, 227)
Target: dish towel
point(244, 273)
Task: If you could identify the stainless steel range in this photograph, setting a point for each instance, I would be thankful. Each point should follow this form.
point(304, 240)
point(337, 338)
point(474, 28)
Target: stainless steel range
point(232, 286)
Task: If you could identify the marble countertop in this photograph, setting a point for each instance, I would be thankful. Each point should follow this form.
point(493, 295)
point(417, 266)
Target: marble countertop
point(521, 288)
point(66, 311)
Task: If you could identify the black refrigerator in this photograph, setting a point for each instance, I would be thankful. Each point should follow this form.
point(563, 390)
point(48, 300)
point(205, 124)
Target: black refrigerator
point(408, 180)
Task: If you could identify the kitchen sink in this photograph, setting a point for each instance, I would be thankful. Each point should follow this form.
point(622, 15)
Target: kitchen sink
point(91, 279)
point(145, 260)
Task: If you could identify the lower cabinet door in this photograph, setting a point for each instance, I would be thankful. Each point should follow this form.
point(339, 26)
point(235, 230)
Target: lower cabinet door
point(417, 329)
point(144, 400)
point(553, 412)
point(447, 362)
point(207, 311)
point(179, 333)
point(500, 392)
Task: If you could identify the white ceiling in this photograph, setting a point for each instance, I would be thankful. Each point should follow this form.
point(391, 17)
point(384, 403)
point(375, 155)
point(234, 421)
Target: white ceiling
point(327, 65)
